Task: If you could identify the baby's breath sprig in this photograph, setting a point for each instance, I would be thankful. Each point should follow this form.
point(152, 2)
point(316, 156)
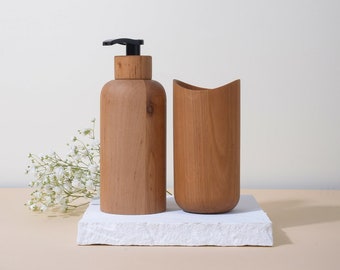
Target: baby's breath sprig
point(66, 182)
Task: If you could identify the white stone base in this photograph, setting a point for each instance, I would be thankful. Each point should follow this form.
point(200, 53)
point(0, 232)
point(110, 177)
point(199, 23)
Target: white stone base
point(245, 225)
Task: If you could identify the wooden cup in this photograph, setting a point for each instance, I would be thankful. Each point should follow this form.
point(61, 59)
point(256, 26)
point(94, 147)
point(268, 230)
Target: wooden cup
point(206, 147)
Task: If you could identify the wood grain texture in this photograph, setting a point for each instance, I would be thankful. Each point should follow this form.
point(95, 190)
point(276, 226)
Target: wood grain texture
point(206, 147)
point(133, 147)
point(135, 67)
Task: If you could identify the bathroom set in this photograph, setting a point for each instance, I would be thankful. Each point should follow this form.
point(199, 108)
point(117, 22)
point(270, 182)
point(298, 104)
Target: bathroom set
point(206, 132)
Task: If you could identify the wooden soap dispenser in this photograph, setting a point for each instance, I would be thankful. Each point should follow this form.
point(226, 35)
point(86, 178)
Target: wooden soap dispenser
point(132, 136)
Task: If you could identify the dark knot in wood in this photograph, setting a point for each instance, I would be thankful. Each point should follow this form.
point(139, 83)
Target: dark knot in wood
point(149, 108)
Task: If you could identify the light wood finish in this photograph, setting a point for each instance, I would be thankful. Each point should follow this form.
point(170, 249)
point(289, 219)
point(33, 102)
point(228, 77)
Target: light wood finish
point(134, 67)
point(306, 226)
point(133, 147)
point(207, 147)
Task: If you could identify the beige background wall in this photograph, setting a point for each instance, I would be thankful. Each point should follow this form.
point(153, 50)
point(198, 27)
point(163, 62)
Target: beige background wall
point(286, 53)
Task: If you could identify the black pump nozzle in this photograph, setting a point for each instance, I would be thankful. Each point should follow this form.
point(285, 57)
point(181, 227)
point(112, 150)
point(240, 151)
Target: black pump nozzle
point(132, 45)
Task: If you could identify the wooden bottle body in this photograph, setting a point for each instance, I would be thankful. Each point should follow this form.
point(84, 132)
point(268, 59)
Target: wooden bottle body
point(207, 147)
point(133, 147)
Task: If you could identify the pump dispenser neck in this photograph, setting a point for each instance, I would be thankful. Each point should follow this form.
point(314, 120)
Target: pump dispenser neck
point(132, 66)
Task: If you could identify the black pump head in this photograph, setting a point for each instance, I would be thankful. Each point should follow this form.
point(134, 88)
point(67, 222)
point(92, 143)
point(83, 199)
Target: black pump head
point(132, 45)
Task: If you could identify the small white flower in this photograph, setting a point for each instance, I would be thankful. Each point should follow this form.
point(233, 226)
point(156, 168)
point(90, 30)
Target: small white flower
point(33, 207)
point(76, 183)
point(48, 200)
point(95, 143)
point(83, 152)
point(67, 186)
point(68, 170)
point(77, 157)
point(72, 150)
point(32, 170)
point(45, 180)
point(57, 189)
point(59, 172)
point(37, 194)
point(93, 168)
point(49, 169)
point(59, 199)
point(48, 189)
point(90, 186)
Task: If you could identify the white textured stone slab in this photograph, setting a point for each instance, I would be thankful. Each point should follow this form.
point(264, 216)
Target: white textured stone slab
point(246, 224)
